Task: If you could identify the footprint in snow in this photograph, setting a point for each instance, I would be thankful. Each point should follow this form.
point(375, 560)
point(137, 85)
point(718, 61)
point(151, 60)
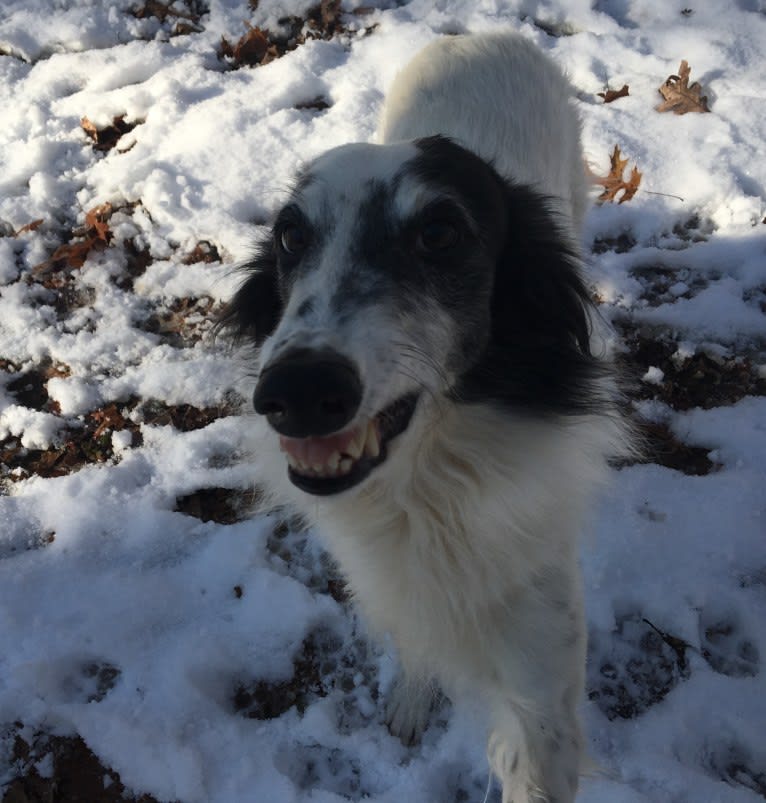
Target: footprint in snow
point(725, 646)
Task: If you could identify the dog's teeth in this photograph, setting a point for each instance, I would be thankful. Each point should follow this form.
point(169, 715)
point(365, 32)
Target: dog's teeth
point(354, 449)
point(333, 461)
point(345, 465)
point(372, 442)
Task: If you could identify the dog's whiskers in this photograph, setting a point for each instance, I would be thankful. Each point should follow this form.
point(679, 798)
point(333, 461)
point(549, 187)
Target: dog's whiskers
point(418, 354)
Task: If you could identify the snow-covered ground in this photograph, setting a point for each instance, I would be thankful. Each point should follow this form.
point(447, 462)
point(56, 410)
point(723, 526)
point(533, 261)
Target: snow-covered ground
point(206, 656)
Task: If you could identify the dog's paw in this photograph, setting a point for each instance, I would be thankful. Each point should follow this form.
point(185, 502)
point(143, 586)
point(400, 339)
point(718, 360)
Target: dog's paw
point(409, 709)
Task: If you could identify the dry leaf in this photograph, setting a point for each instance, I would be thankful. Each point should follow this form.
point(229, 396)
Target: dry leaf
point(187, 22)
point(154, 8)
point(203, 251)
point(612, 94)
point(96, 234)
point(160, 10)
point(108, 418)
point(260, 46)
point(104, 139)
point(679, 97)
point(253, 48)
point(33, 226)
point(329, 14)
point(614, 182)
point(97, 222)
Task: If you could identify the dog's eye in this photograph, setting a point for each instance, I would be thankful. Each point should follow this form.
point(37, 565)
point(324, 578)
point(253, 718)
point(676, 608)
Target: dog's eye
point(293, 239)
point(437, 235)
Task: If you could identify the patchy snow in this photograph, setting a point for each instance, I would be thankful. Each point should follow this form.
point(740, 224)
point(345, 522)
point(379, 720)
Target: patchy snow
point(211, 661)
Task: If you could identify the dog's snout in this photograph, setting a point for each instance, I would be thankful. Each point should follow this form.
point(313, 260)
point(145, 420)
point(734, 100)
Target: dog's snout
point(308, 392)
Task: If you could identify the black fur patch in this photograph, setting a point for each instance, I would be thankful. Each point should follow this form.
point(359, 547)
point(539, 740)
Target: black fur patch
point(392, 264)
point(254, 311)
point(538, 354)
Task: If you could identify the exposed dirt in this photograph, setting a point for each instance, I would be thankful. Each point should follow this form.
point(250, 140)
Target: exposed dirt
point(701, 379)
point(222, 505)
point(88, 439)
point(61, 769)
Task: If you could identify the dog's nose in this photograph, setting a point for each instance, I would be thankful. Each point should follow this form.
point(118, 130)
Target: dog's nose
point(308, 392)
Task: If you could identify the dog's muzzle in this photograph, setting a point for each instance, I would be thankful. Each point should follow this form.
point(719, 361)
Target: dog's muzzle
point(308, 392)
point(311, 397)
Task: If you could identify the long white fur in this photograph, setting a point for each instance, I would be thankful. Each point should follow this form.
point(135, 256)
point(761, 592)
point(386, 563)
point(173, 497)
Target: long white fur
point(463, 544)
point(502, 98)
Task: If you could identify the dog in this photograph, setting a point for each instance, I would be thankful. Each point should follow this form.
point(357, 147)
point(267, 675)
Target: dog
point(434, 393)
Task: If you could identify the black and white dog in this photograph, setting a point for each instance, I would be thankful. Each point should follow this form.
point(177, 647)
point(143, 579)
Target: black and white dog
point(431, 394)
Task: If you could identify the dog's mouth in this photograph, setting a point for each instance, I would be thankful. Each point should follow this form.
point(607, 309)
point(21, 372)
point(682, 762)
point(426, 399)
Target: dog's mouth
point(328, 465)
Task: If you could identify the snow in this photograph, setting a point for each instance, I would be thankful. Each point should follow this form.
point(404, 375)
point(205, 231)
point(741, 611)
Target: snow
point(133, 624)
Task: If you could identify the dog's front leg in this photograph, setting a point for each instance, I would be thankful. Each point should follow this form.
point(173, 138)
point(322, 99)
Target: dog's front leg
point(537, 758)
point(409, 706)
point(536, 743)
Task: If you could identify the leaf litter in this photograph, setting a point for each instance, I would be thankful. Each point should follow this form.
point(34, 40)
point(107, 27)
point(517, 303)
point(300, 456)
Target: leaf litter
point(679, 96)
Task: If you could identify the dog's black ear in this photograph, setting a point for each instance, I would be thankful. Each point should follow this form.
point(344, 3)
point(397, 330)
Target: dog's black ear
point(538, 356)
point(254, 311)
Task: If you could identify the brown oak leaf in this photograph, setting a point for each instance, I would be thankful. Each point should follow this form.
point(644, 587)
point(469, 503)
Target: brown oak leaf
point(96, 236)
point(679, 96)
point(612, 94)
point(614, 183)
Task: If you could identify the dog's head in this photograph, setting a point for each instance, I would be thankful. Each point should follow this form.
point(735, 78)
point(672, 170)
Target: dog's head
point(401, 275)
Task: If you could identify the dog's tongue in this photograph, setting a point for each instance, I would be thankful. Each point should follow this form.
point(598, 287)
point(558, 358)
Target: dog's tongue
point(315, 450)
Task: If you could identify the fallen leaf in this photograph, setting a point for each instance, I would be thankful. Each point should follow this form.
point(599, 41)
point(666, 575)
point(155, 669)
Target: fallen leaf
point(104, 139)
point(203, 251)
point(71, 255)
point(613, 183)
point(155, 8)
point(612, 94)
point(108, 418)
point(253, 48)
point(679, 97)
point(33, 226)
point(260, 46)
point(329, 12)
point(184, 28)
point(96, 234)
point(182, 323)
point(97, 222)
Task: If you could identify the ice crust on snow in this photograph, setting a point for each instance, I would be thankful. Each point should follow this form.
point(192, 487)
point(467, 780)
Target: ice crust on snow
point(101, 568)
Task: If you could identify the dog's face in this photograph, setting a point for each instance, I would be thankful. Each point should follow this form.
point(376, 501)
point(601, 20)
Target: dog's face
point(395, 275)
